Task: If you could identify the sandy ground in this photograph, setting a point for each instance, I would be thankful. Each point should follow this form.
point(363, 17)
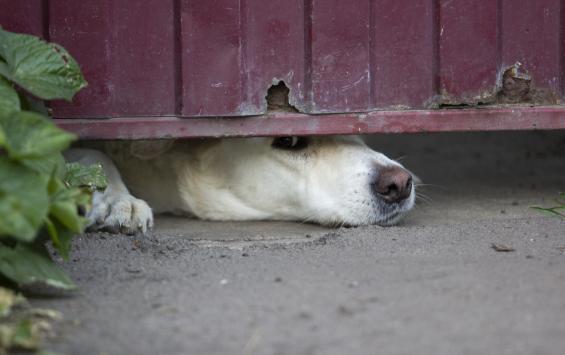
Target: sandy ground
point(432, 285)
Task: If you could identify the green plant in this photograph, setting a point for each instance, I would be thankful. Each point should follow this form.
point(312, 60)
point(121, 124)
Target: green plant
point(39, 194)
point(22, 327)
point(557, 210)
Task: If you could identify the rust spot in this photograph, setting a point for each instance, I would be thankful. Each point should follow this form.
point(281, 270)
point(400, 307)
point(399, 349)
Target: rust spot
point(447, 100)
point(515, 86)
point(360, 127)
point(277, 98)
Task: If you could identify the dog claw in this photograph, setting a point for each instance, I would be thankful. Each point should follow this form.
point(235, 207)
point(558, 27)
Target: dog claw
point(119, 213)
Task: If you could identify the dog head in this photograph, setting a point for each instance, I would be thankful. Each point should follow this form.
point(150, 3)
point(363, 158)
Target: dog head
point(327, 180)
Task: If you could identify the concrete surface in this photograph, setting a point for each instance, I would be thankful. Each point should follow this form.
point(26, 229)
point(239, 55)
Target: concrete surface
point(432, 285)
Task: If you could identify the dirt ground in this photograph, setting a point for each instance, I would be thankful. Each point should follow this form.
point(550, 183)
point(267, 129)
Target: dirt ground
point(432, 285)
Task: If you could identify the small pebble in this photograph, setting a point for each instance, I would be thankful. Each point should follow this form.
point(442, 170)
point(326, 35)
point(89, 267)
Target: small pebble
point(345, 310)
point(304, 315)
point(501, 248)
point(133, 270)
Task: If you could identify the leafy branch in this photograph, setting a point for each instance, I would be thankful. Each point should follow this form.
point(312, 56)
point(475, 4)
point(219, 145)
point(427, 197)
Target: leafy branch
point(40, 195)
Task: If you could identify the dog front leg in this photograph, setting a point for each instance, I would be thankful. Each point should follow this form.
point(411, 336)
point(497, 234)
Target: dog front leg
point(114, 209)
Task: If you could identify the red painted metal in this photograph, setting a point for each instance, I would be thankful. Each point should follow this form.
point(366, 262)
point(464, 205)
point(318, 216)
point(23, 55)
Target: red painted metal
point(23, 16)
point(212, 58)
point(126, 50)
point(516, 118)
point(530, 35)
point(403, 61)
point(196, 59)
point(468, 50)
point(274, 49)
point(340, 79)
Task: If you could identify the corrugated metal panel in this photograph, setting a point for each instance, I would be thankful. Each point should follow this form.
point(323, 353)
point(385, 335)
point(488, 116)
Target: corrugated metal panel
point(24, 16)
point(403, 54)
point(468, 50)
point(190, 58)
point(126, 49)
point(531, 34)
point(213, 79)
point(340, 56)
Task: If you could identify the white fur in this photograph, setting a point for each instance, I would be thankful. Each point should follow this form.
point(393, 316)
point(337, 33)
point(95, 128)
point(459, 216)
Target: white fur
point(329, 182)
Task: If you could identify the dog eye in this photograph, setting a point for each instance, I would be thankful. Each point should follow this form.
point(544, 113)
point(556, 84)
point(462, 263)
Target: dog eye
point(290, 143)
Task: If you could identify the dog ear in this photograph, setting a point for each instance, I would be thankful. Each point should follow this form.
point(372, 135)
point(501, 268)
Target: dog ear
point(146, 149)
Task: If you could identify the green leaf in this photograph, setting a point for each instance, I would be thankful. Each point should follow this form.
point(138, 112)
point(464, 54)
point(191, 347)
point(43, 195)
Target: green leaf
point(65, 211)
point(64, 205)
point(32, 104)
point(558, 210)
point(92, 176)
point(3, 68)
point(9, 299)
point(26, 335)
point(552, 211)
point(30, 269)
point(61, 237)
point(2, 138)
point(51, 165)
point(24, 201)
point(19, 334)
point(30, 135)
point(64, 220)
point(44, 69)
point(9, 99)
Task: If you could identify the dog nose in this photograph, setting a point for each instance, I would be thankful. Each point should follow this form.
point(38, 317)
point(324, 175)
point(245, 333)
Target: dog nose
point(393, 184)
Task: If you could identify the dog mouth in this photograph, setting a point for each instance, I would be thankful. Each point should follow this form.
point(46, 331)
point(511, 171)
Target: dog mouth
point(391, 219)
point(375, 211)
point(391, 213)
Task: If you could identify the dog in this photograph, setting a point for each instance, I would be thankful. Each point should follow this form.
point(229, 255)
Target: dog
point(332, 181)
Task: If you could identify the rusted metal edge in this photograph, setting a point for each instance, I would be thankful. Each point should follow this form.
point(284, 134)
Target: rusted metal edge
point(276, 124)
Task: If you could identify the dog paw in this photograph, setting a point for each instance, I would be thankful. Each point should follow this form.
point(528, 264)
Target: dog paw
point(119, 213)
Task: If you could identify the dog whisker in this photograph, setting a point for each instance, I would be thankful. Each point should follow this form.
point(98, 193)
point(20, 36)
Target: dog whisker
point(424, 199)
point(422, 185)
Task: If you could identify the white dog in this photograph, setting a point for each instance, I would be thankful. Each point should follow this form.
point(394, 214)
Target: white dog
point(327, 180)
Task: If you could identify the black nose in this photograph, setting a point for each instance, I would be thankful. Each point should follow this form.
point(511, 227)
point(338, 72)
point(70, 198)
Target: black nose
point(393, 184)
